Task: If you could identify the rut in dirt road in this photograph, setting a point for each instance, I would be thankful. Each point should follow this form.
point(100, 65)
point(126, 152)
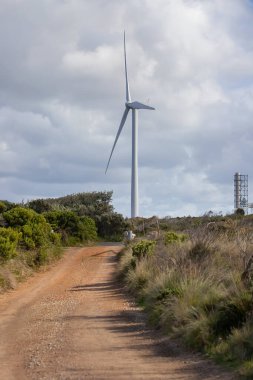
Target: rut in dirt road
point(74, 322)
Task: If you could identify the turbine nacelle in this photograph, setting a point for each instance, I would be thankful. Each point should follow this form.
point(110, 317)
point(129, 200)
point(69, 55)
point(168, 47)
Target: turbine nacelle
point(138, 106)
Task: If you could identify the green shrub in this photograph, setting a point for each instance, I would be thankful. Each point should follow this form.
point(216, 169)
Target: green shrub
point(238, 345)
point(41, 257)
point(53, 218)
point(63, 220)
point(34, 229)
point(95, 205)
point(246, 369)
point(231, 314)
point(87, 228)
point(35, 235)
point(8, 243)
point(55, 238)
point(111, 225)
point(173, 237)
point(143, 248)
point(72, 228)
point(3, 207)
point(19, 216)
point(6, 205)
point(40, 205)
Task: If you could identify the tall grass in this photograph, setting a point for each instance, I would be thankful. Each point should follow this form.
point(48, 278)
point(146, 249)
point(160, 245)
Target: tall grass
point(194, 289)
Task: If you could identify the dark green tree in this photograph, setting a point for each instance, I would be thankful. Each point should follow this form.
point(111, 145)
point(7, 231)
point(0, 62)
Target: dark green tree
point(240, 211)
point(111, 225)
point(40, 205)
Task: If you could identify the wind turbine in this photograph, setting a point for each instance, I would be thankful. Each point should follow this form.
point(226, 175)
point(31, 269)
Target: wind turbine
point(134, 106)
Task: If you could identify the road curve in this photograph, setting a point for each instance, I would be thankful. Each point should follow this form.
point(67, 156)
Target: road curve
point(74, 322)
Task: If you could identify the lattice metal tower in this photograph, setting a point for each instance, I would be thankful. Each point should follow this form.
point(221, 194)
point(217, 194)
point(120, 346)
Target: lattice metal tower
point(241, 191)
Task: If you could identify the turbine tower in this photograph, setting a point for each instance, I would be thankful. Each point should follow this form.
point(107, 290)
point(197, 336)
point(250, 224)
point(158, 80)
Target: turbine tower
point(134, 106)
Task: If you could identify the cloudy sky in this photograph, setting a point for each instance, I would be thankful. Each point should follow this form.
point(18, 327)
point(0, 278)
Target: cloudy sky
point(62, 97)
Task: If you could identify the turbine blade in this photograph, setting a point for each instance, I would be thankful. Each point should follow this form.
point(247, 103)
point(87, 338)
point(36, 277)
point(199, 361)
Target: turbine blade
point(128, 96)
point(139, 106)
point(123, 120)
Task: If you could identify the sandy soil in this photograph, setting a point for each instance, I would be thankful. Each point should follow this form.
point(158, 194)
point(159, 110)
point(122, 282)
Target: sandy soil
point(74, 322)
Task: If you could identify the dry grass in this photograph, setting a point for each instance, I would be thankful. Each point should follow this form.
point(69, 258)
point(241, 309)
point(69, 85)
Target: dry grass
point(23, 265)
point(195, 290)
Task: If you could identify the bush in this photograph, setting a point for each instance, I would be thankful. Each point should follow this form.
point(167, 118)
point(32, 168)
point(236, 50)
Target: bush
point(19, 216)
point(6, 205)
point(37, 235)
point(95, 205)
point(65, 220)
point(238, 347)
point(40, 205)
point(42, 256)
point(8, 243)
point(34, 229)
point(230, 314)
point(173, 237)
point(111, 225)
point(73, 229)
point(143, 248)
point(240, 211)
point(3, 207)
point(88, 230)
point(247, 369)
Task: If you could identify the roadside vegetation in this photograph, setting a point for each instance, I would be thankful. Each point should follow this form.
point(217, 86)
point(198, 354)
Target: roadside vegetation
point(194, 278)
point(34, 234)
point(192, 275)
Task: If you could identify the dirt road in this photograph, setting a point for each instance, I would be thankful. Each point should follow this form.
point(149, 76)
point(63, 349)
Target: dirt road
point(73, 322)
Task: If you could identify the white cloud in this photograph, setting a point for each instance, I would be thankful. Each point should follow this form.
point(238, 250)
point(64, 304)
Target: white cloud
point(62, 97)
point(92, 63)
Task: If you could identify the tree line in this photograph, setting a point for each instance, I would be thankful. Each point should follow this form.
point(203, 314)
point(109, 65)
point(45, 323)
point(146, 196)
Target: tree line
point(42, 225)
